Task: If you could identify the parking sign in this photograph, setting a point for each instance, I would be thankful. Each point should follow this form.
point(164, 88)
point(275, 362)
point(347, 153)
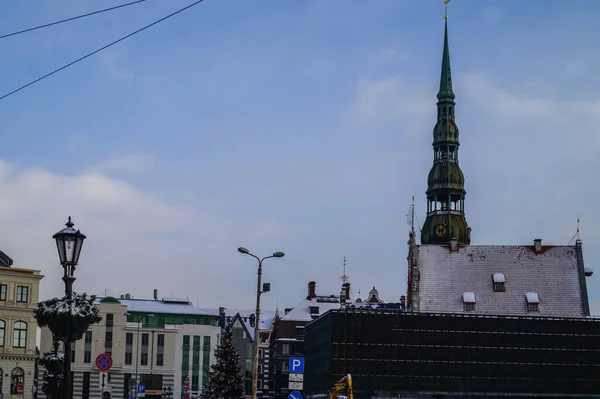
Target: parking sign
point(296, 365)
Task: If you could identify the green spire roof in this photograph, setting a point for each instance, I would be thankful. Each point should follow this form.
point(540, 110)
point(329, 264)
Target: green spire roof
point(446, 92)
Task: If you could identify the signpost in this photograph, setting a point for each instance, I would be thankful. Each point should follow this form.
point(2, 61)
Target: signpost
point(296, 377)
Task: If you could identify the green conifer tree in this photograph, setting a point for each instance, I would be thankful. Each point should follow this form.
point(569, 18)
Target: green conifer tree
point(224, 379)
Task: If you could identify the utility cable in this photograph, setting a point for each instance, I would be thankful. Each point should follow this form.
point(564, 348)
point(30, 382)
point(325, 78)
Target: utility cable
point(71, 19)
point(100, 49)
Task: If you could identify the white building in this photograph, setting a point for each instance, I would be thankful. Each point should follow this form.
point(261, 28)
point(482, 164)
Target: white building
point(19, 290)
point(161, 341)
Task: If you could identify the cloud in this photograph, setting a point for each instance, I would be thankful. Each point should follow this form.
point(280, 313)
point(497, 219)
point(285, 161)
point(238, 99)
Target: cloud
point(136, 163)
point(390, 99)
point(136, 242)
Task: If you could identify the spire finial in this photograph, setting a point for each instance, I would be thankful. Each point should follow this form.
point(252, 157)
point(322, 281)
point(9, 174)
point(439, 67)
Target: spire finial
point(446, 6)
point(344, 277)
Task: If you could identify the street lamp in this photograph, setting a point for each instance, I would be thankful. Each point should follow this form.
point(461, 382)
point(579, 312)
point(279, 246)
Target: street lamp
point(244, 251)
point(68, 242)
point(137, 350)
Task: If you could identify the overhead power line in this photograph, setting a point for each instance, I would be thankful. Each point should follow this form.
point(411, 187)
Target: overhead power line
point(100, 49)
point(71, 19)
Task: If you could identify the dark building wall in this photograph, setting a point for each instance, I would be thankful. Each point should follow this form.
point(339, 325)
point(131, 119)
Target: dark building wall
point(399, 352)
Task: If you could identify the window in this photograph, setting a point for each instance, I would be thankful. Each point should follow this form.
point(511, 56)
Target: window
point(87, 347)
point(468, 301)
point(260, 353)
point(17, 380)
point(499, 280)
point(20, 334)
point(110, 319)
point(85, 392)
point(144, 354)
point(22, 293)
point(128, 348)
point(160, 349)
point(2, 332)
point(533, 302)
point(3, 290)
point(260, 369)
point(73, 352)
point(285, 349)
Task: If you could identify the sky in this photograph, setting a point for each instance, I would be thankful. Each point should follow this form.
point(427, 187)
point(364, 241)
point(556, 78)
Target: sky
point(295, 126)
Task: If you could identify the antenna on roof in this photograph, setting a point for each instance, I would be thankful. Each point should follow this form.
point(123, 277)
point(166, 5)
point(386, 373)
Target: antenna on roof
point(410, 216)
point(576, 236)
point(344, 277)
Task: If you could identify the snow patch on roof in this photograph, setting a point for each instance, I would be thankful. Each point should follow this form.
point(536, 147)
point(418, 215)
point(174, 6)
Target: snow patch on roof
point(468, 297)
point(532, 297)
point(499, 278)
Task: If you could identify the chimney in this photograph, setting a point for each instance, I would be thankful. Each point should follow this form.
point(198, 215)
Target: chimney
point(403, 301)
point(311, 290)
point(221, 317)
point(537, 245)
point(155, 294)
point(346, 289)
point(453, 244)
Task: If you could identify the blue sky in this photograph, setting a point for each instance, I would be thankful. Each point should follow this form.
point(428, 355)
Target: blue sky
point(300, 126)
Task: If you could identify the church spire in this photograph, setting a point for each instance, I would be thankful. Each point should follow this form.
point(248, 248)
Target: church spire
point(445, 192)
point(446, 78)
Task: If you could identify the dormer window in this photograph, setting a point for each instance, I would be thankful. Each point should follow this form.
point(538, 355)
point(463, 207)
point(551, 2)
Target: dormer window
point(533, 301)
point(469, 301)
point(499, 281)
point(314, 311)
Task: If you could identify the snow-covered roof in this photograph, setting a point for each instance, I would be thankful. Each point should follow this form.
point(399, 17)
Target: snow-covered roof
point(532, 297)
point(302, 312)
point(554, 274)
point(468, 297)
point(169, 307)
point(499, 278)
point(266, 318)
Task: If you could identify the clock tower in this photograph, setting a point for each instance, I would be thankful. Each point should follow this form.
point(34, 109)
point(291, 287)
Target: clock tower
point(445, 184)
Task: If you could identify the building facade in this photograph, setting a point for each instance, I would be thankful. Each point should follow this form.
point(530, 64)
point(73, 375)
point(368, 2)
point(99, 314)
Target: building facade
point(159, 342)
point(392, 353)
point(19, 292)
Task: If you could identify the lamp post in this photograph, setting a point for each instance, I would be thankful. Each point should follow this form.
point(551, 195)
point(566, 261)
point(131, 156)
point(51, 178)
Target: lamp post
point(257, 319)
point(137, 350)
point(68, 242)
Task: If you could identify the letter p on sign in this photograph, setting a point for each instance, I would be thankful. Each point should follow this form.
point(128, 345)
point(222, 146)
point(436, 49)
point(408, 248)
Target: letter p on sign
point(296, 365)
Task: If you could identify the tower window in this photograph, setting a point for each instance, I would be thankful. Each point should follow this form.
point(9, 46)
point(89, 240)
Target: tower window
point(444, 111)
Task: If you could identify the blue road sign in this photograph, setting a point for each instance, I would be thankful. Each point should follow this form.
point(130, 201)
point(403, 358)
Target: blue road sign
point(141, 388)
point(296, 365)
point(294, 395)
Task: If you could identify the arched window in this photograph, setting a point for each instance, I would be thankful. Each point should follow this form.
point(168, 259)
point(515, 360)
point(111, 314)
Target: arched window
point(20, 335)
point(2, 335)
point(17, 379)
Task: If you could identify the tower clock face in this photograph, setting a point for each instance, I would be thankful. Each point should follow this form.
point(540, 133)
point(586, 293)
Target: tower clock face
point(440, 230)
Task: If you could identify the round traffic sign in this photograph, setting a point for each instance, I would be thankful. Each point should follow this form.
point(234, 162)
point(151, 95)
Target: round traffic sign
point(104, 361)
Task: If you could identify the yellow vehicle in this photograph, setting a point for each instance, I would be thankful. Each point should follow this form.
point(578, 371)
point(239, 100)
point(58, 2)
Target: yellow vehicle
point(342, 389)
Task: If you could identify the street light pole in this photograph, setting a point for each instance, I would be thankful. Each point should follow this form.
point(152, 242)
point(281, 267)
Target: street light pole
point(137, 350)
point(257, 318)
point(68, 242)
